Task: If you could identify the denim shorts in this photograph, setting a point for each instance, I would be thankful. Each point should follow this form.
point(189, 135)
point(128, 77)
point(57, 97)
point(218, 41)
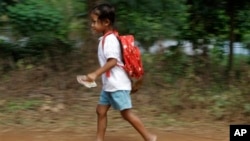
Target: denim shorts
point(119, 100)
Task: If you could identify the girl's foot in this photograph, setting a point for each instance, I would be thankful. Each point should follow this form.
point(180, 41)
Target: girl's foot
point(152, 138)
point(97, 139)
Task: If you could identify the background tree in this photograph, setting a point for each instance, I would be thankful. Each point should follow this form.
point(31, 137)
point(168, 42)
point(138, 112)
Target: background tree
point(233, 9)
point(5, 3)
point(149, 20)
point(220, 20)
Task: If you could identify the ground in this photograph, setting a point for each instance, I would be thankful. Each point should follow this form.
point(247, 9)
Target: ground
point(194, 133)
point(33, 108)
point(76, 122)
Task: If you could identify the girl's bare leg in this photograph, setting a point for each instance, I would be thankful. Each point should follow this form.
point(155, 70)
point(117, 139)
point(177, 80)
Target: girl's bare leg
point(138, 125)
point(101, 111)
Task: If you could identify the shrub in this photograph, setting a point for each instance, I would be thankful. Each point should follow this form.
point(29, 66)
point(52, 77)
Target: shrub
point(32, 16)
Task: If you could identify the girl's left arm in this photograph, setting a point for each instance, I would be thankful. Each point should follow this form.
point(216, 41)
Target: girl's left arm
point(111, 62)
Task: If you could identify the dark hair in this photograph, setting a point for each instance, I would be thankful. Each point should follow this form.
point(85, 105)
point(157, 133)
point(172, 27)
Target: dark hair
point(104, 11)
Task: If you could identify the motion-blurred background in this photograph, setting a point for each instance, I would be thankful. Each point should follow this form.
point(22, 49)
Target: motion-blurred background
point(195, 53)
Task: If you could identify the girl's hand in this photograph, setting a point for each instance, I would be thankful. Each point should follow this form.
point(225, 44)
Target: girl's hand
point(82, 79)
point(136, 85)
point(91, 77)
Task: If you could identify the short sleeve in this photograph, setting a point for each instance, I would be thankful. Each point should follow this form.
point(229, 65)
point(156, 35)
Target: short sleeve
point(111, 47)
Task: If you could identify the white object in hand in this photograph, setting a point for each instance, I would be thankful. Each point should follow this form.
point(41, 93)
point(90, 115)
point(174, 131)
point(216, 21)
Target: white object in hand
point(81, 78)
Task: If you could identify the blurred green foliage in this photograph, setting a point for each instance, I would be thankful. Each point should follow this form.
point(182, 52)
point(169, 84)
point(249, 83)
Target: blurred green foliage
point(34, 16)
point(157, 20)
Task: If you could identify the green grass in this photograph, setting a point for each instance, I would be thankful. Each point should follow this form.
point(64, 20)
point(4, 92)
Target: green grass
point(22, 105)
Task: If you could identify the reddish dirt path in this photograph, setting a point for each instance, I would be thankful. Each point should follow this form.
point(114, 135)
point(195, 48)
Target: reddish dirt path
point(125, 135)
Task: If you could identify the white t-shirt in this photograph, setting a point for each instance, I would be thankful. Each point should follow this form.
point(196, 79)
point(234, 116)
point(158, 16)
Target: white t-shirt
point(118, 79)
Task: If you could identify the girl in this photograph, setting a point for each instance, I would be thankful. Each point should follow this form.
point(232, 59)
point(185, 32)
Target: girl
point(117, 86)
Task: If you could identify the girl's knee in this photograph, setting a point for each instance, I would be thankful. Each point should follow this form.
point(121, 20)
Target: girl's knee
point(102, 110)
point(126, 114)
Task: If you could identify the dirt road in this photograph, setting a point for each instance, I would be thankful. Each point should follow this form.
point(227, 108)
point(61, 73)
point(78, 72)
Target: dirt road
point(124, 135)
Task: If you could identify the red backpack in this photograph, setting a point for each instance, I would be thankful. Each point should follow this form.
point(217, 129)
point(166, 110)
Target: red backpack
point(131, 56)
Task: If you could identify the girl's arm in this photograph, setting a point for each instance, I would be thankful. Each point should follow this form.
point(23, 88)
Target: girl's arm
point(111, 62)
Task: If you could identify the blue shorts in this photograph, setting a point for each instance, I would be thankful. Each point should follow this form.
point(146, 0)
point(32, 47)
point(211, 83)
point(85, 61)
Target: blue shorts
point(119, 100)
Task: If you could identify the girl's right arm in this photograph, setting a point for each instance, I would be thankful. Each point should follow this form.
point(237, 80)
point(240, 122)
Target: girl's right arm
point(111, 62)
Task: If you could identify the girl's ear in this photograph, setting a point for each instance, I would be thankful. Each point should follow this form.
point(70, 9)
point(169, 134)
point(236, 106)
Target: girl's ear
point(106, 22)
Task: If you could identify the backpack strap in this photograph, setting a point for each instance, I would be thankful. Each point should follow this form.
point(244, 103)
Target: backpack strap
point(103, 40)
point(108, 33)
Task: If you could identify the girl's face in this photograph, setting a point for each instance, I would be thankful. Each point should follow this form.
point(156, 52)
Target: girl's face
point(99, 26)
point(96, 24)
